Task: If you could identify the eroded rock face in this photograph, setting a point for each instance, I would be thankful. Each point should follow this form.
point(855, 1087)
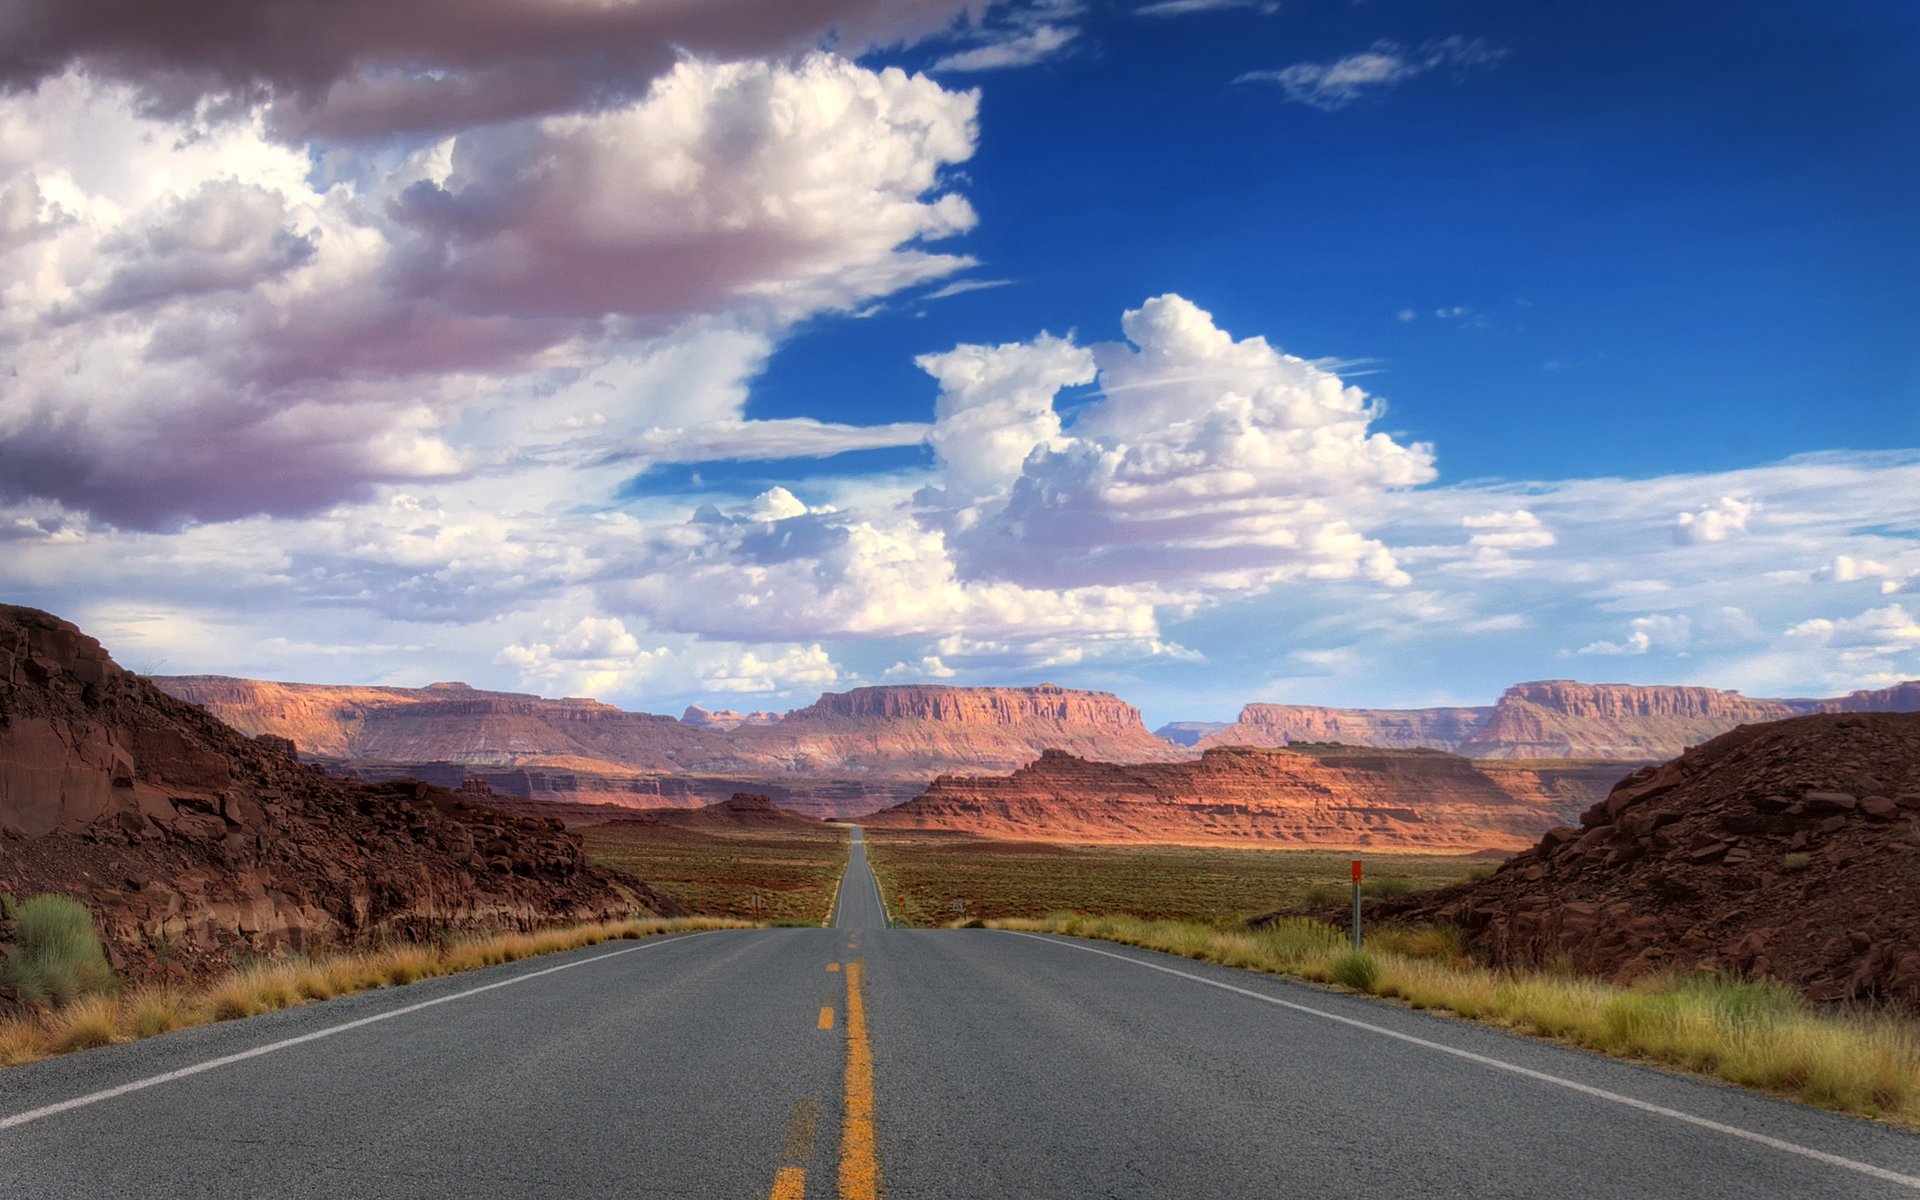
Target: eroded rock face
point(846, 754)
point(1561, 719)
point(1550, 719)
point(191, 841)
point(1789, 849)
point(1333, 796)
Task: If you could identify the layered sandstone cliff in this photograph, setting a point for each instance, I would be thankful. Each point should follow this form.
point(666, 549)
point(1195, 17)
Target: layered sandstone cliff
point(1786, 849)
point(1550, 719)
point(1559, 718)
point(847, 753)
point(188, 837)
point(1330, 797)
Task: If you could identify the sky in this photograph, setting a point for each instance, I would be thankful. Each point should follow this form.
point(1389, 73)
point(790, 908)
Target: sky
point(1205, 351)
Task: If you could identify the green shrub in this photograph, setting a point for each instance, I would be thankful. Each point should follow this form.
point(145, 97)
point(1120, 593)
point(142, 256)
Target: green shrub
point(57, 956)
point(1797, 861)
point(1355, 969)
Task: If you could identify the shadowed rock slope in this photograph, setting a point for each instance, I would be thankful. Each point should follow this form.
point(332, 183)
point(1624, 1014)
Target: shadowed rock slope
point(745, 810)
point(1789, 849)
point(191, 841)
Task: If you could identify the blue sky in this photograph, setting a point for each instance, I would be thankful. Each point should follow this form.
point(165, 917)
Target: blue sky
point(1359, 353)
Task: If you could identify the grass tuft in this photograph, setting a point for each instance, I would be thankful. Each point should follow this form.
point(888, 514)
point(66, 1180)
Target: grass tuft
point(1755, 1032)
point(86, 1023)
point(1355, 969)
point(57, 957)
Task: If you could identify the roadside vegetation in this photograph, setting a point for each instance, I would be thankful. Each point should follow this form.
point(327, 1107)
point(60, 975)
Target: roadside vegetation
point(106, 1012)
point(1752, 1032)
point(57, 955)
point(793, 871)
point(924, 873)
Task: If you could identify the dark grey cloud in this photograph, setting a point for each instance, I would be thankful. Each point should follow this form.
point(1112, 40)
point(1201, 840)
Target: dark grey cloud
point(349, 69)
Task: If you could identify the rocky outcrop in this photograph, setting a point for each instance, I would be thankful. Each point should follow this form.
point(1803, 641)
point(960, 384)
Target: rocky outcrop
point(1331, 796)
point(846, 754)
point(1789, 849)
point(1393, 728)
point(191, 841)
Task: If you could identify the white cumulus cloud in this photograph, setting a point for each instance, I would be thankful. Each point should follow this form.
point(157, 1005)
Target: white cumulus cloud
point(1715, 522)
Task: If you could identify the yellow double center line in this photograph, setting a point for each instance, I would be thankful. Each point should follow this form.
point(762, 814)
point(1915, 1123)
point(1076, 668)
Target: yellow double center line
point(859, 1167)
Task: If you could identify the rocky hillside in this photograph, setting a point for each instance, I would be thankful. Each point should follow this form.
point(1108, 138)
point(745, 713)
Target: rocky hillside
point(1789, 849)
point(1331, 796)
point(193, 842)
point(848, 753)
point(1553, 719)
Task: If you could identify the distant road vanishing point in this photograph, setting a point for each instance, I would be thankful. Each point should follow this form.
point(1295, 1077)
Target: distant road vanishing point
point(862, 1061)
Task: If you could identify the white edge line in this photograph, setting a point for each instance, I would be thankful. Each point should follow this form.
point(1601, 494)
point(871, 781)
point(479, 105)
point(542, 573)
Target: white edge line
point(1832, 1160)
point(228, 1060)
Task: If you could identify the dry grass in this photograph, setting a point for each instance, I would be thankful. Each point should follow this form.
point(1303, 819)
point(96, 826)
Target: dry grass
point(925, 872)
point(793, 870)
point(1756, 1033)
point(264, 986)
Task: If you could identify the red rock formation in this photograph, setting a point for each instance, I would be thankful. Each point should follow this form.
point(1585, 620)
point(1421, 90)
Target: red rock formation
point(1558, 718)
point(1401, 728)
point(1345, 797)
point(191, 841)
point(1789, 849)
point(1554, 719)
point(848, 753)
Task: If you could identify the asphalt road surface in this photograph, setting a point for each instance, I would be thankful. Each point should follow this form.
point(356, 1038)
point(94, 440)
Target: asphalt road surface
point(861, 1061)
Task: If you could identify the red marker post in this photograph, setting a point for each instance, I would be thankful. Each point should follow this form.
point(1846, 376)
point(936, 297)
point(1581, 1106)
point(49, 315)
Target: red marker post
point(1356, 904)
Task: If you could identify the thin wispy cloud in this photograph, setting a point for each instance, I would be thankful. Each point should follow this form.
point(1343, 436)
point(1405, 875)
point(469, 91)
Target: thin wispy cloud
point(1181, 8)
point(961, 287)
point(1332, 86)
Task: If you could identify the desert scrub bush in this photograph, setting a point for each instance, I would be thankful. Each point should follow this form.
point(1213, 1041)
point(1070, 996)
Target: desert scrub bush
point(1444, 942)
point(57, 955)
point(1798, 860)
point(1386, 887)
point(1325, 895)
point(1356, 969)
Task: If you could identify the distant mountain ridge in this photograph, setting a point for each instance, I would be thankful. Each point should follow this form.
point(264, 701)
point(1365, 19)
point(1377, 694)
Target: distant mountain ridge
point(1552, 719)
point(847, 753)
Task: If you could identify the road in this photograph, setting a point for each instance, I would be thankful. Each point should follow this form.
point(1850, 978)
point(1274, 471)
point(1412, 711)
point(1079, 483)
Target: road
point(860, 1060)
